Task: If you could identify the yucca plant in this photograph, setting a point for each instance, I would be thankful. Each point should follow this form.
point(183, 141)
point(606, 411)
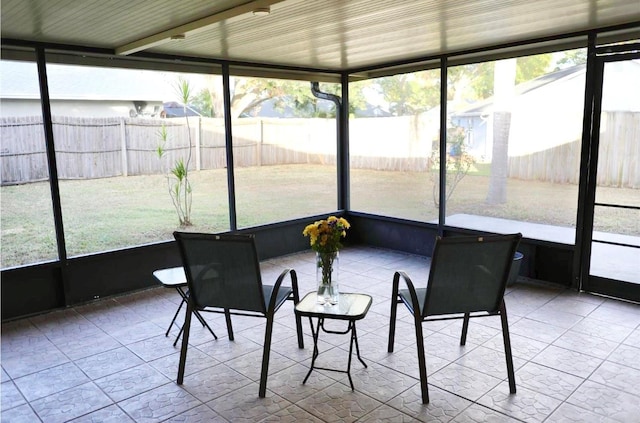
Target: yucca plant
point(178, 182)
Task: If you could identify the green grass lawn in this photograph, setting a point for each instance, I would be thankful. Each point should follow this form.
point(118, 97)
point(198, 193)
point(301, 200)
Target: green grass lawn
point(111, 213)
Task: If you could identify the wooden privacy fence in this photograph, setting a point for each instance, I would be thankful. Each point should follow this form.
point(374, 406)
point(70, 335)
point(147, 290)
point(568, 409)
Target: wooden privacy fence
point(618, 155)
point(103, 147)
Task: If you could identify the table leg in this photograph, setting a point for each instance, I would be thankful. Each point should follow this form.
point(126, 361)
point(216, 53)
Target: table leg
point(351, 325)
point(355, 339)
point(315, 331)
point(174, 317)
point(185, 298)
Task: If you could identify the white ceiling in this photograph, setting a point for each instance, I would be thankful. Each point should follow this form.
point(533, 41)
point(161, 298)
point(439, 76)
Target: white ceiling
point(320, 34)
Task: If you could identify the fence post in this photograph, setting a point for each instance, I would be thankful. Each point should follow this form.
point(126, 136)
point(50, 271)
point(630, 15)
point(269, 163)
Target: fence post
point(123, 144)
point(198, 142)
point(259, 142)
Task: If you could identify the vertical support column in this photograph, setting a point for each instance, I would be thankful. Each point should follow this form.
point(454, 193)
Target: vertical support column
point(226, 89)
point(442, 195)
point(344, 196)
point(123, 148)
point(586, 194)
point(53, 169)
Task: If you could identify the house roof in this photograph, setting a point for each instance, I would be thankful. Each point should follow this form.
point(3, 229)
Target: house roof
point(174, 109)
point(619, 77)
point(327, 35)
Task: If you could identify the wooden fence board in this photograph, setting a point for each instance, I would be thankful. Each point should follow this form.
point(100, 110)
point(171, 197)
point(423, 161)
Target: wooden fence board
point(619, 150)
point(95, 148)
point(23, 150)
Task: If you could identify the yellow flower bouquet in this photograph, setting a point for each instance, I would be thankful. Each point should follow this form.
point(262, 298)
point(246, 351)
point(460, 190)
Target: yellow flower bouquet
point(324, 236)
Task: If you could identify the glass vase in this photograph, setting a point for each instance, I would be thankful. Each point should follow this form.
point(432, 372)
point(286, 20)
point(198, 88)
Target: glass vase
point(327, 268)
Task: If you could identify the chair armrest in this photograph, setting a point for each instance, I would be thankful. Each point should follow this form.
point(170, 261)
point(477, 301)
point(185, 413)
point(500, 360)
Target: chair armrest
point(276, 286)
point(412, 290)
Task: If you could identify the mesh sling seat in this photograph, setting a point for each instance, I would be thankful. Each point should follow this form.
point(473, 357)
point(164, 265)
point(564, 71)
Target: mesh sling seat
point(223, 276)
point(467, 279)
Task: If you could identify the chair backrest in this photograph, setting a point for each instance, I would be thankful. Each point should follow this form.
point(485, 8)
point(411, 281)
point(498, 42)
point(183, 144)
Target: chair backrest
point(469, 273)
point(222, 270)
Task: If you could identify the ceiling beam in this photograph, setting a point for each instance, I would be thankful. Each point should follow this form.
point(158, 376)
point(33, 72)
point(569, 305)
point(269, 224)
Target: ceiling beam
point(191, 27)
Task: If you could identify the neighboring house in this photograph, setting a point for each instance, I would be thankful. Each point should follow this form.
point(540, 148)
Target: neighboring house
point(173, 109)
point(371, 110)
point(547, 112)
point(81, 91)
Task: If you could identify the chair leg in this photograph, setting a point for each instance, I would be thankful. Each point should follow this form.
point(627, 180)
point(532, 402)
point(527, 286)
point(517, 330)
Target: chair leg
point(465, 328)
point(393, 313)
point(507, 348)
point(227, 318)
point(266, 351)
point(185, 343)
point(296, 300)
point(392, 325)
point(422, 363)
point(299, 331)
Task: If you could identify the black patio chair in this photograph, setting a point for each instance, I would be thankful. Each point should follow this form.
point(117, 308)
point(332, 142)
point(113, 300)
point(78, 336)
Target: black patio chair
point(467, 279)
point(223, 276)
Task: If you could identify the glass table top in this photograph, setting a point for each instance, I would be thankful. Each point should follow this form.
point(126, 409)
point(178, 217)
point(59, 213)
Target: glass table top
point(350, 306)
point(171, 277)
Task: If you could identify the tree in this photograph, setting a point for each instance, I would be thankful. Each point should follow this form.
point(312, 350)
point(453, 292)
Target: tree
point(476, 81)
point(531, 67)
point(298, 98)
point(572, 58)
point(410, 93)
point(202, 101)
point(470, 83)
point(504, 86)
point(248, 94)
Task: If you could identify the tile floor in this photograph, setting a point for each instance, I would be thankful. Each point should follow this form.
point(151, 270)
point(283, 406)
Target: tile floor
point(576, 358)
